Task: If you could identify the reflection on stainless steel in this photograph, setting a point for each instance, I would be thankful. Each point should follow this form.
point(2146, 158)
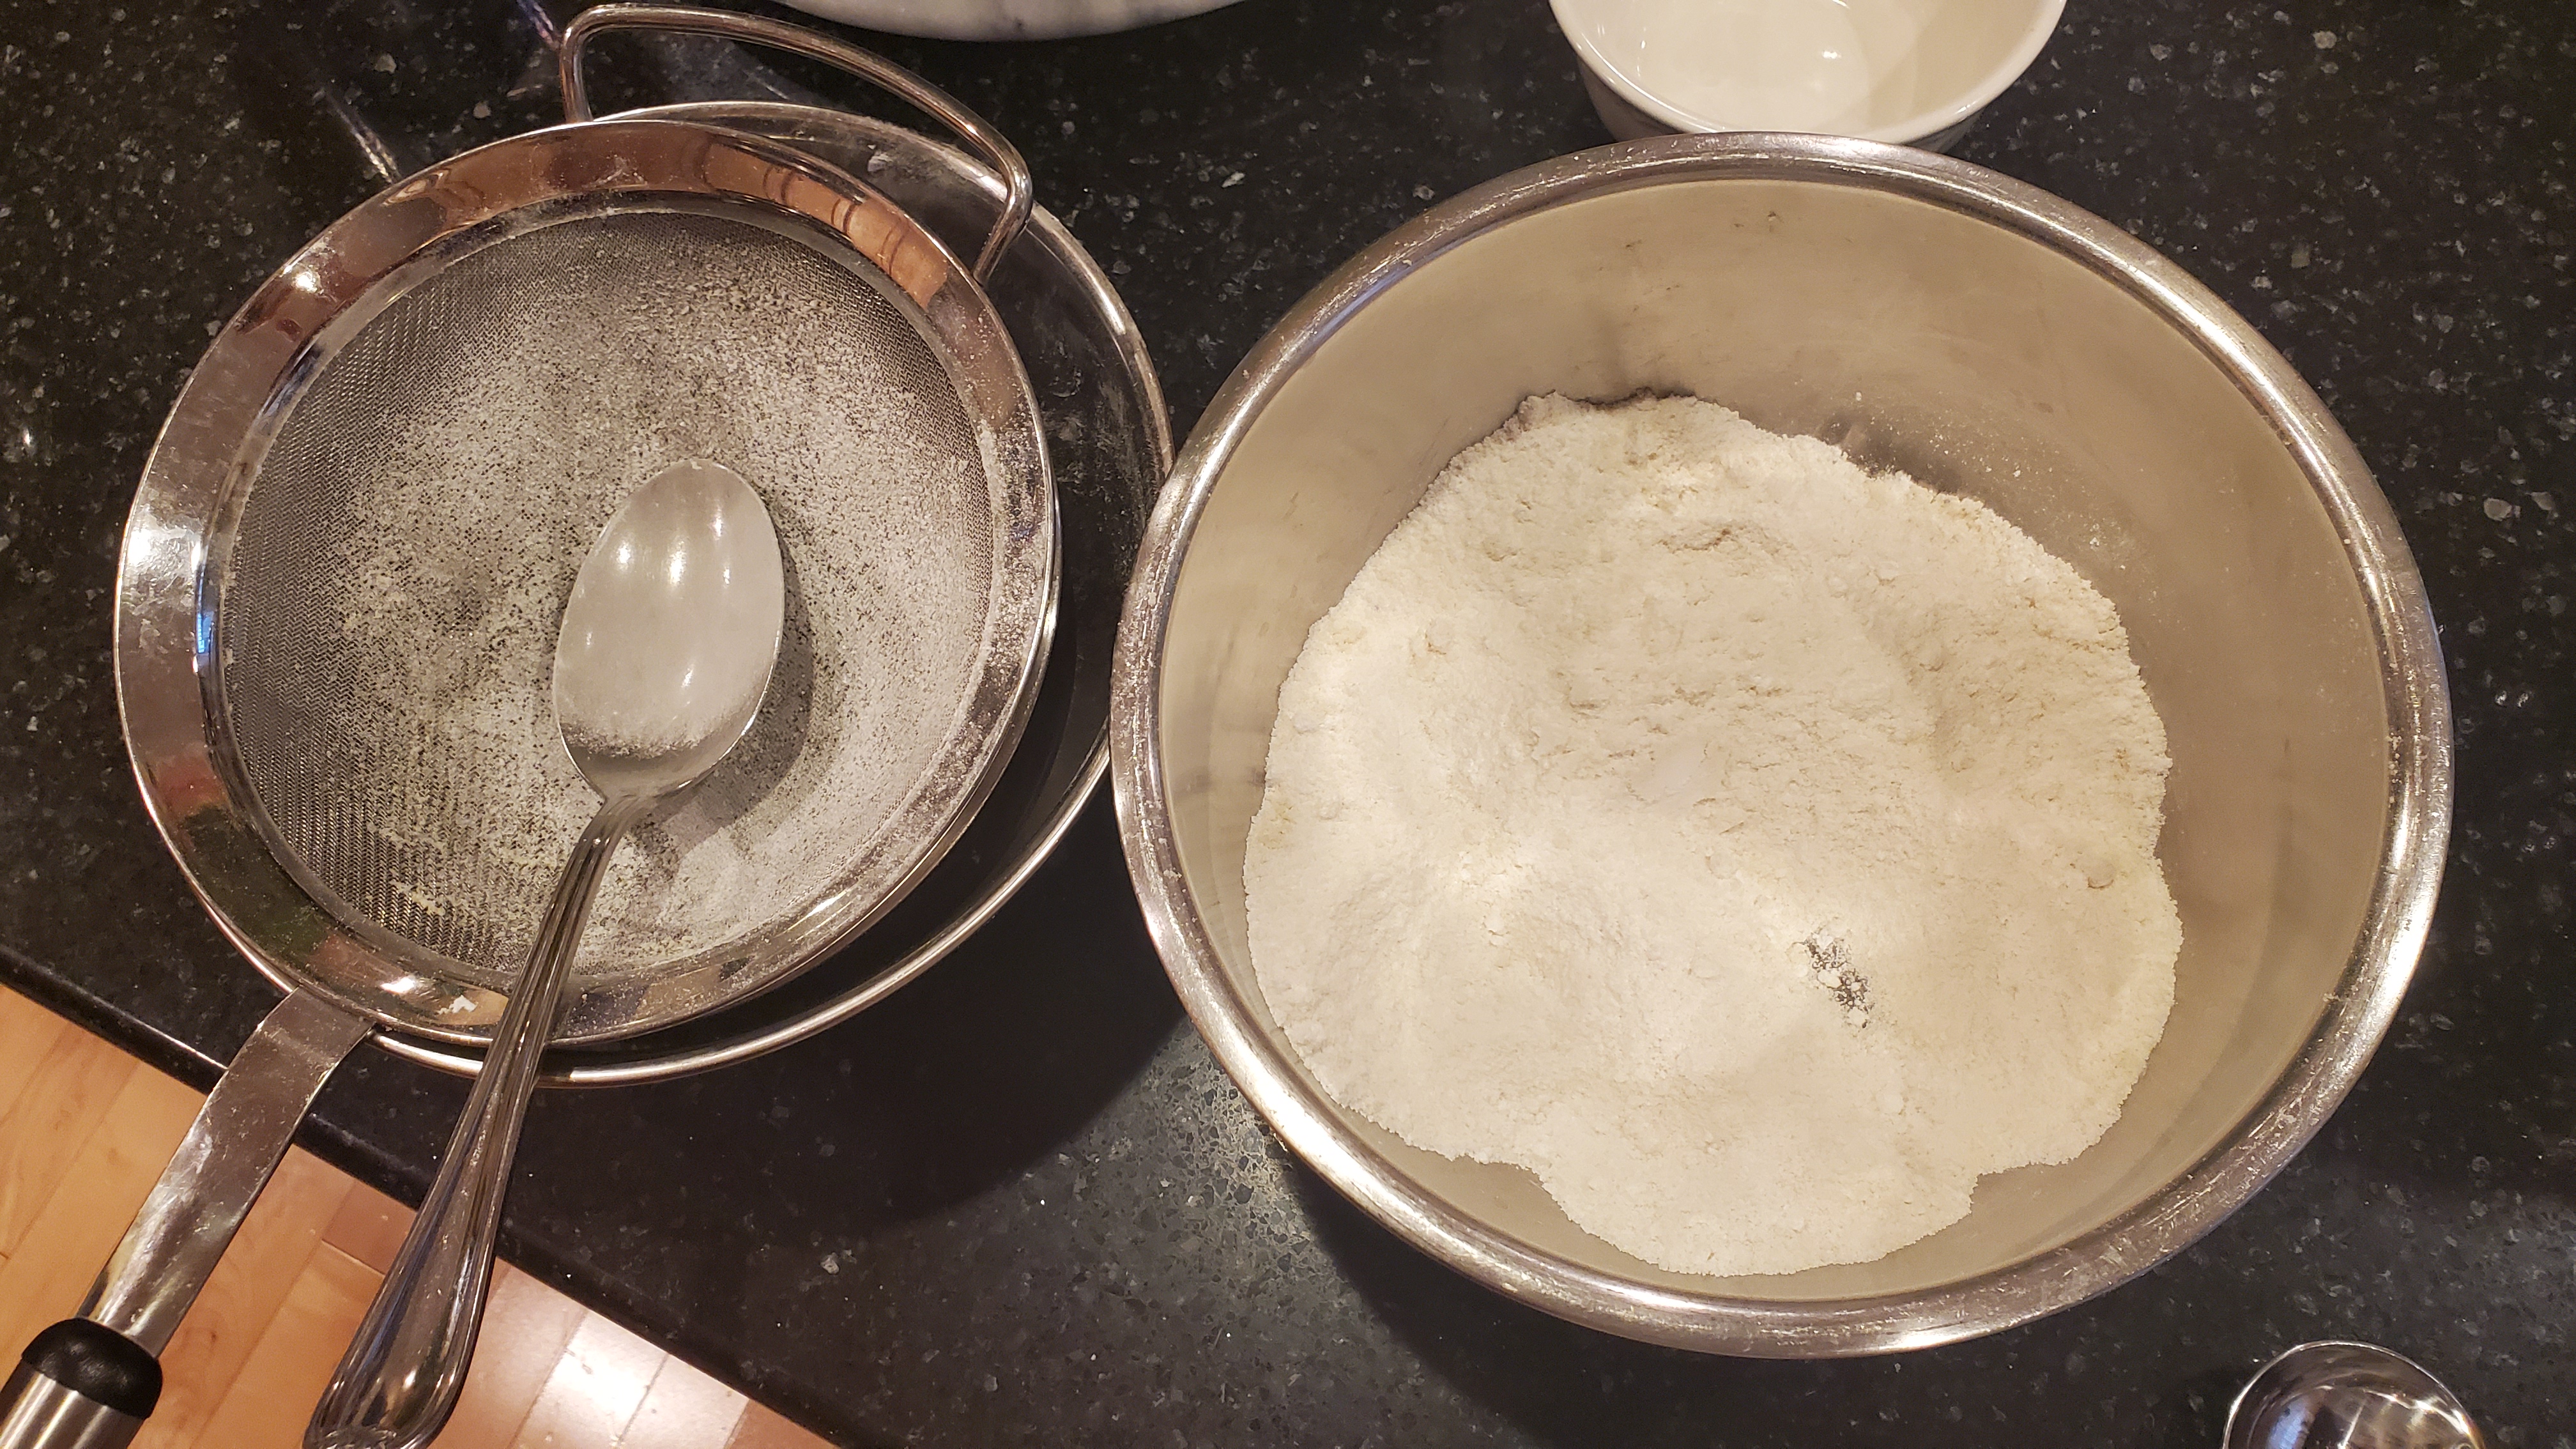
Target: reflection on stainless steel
point(215, 1175)
point(542, 21)
point(372, 147)
point(38, 1412)
point(1984, 337)
point(663, 658)
point(2334, 1395)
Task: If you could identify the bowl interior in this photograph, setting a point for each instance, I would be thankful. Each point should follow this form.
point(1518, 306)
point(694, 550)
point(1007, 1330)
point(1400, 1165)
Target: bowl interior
point(1977, 359)
point(1888, 70)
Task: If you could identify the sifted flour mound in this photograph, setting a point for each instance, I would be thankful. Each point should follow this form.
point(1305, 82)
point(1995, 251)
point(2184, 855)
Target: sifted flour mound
point(1756, 850)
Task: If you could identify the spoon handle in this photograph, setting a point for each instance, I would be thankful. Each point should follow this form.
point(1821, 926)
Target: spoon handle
point(399, 1380)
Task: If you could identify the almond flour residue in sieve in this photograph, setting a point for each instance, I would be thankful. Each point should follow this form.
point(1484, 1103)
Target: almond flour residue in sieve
point(1757, 850)
point(407, 551)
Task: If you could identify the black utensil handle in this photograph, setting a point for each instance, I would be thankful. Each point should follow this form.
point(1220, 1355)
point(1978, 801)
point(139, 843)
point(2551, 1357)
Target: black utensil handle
point(79, 1385)
point(97, 1362)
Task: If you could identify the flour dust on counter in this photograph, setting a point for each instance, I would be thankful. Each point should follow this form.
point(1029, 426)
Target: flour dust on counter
point(1756, 849)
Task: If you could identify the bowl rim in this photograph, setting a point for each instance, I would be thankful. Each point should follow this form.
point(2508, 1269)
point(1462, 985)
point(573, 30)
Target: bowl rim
point(2353, 1018)
point(1998, 78)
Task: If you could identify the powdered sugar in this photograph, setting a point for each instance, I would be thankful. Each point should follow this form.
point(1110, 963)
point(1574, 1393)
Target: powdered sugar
point(1757, 850)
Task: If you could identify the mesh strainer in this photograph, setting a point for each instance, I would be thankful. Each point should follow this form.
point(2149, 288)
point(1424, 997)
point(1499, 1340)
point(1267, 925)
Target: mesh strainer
point(343, 571)
point(387, 547)
point(385, 609)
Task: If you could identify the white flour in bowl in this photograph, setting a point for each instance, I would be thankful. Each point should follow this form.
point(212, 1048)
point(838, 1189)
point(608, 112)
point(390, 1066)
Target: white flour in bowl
point(1755, 849)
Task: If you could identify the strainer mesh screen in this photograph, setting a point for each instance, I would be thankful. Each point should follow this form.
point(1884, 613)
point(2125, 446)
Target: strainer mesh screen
point(388, 613)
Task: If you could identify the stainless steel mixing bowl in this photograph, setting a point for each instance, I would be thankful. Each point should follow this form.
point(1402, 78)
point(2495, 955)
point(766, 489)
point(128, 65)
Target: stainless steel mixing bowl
point(1986, 338)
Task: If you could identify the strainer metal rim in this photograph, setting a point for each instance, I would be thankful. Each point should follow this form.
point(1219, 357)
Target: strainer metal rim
point(165, 626)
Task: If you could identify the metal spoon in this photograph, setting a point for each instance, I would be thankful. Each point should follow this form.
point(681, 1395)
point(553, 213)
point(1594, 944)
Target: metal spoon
point(664, 654)
point(2347, 1396)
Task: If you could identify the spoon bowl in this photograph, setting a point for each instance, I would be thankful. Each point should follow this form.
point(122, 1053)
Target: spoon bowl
point(661, 662)
point(669, 636)
point(2337, 1395)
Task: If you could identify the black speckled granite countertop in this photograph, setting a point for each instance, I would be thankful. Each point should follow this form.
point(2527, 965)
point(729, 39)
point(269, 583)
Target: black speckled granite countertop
point(1018, 1203)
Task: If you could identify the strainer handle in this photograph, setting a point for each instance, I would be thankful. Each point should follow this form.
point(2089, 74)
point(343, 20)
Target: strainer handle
point(1020, 193)
point(91, 1380)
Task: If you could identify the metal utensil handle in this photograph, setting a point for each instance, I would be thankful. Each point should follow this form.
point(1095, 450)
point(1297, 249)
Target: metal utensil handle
point(1019, 192)
point(91, 1380)
point(406, 1364)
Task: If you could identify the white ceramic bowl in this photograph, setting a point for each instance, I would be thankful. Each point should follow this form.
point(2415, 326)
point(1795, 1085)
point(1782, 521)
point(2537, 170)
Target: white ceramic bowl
point(1914, 72)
